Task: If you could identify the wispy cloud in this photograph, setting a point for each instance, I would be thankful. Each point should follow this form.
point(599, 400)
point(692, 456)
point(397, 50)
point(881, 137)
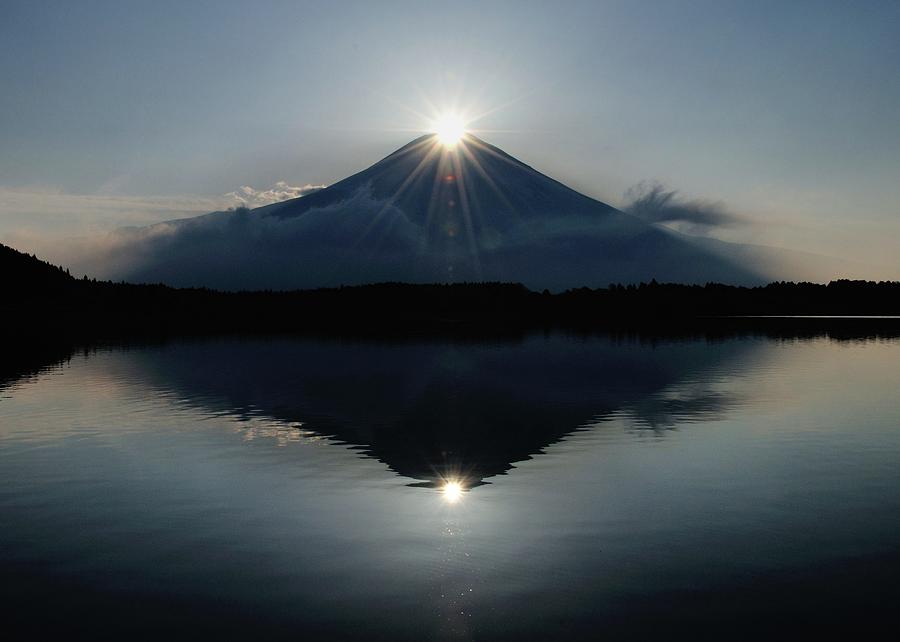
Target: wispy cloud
point(281, 191)
point(239, 249)
point(37, 207)
point(35, 218)
point(655, 203)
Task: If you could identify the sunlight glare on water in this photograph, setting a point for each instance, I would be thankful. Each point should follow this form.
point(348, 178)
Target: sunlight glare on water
point(452, 491)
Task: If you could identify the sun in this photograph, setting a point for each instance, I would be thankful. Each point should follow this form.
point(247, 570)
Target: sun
point(450, 129)
point(453, 491)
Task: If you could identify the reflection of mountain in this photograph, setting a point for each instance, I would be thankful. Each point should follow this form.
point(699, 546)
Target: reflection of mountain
point(423, 214)
point(433, 409)
point(25, 360)
point(436, 410)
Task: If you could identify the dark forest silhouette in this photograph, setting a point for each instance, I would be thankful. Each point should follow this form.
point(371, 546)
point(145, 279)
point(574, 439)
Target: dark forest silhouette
point(43, 299)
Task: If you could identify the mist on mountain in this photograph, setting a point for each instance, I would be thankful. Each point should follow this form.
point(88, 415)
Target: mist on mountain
point(425, 213)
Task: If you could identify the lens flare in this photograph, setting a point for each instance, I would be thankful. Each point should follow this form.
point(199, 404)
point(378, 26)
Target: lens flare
point(450, 129)
point(453, 491)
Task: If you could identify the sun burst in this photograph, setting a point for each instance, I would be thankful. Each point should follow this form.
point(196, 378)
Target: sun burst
point(450, 129)
point(452, 491)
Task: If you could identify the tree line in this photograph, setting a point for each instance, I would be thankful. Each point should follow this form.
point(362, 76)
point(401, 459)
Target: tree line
point(38, 297)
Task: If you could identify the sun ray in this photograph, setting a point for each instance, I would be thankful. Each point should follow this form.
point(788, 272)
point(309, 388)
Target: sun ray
point(422, 117)
point(453, 128)
point(490, 181)
point(493, 110)
point(435, 189)
point(350, 252)
point(400, 190)
point(463, 198)
point(487, 149)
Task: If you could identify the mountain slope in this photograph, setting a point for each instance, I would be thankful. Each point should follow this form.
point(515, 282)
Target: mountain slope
point(423, 214)
point(26, 275)
point(423, 178)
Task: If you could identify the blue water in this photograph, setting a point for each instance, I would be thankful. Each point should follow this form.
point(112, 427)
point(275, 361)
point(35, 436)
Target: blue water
point(549, 486)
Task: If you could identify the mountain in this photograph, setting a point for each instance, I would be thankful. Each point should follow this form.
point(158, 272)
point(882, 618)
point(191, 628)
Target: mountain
point(520, 395)
point(425, 213)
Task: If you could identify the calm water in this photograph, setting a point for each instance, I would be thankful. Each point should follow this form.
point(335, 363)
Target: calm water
point(544, 487)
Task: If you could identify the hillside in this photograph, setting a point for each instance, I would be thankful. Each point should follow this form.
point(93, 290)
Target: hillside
point(26, 276)
point(423, 214)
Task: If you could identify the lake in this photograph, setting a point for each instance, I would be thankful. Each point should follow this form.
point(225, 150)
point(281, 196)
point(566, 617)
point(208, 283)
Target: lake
point(538, 486)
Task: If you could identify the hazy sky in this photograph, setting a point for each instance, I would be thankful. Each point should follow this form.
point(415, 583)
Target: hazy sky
point(122, 113)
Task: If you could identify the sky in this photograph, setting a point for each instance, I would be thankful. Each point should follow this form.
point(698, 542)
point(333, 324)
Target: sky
point(785, 115)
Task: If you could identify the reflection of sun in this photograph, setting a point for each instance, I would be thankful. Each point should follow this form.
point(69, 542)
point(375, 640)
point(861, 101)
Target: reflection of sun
point(450, 129)
point(453, 491)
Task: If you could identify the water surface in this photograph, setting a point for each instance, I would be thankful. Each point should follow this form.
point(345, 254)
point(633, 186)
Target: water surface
point(545, 486)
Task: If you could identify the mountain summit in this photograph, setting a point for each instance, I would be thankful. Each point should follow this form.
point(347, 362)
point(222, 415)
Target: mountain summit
point(425, 213)
point(438, 187)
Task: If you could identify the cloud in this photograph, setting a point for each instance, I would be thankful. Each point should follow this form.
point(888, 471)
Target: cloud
point(281, 191)
point(240, 249)
point(363, 236)
point(655, 203)
point(40, 219)
point(64, 212)
point(49, 221)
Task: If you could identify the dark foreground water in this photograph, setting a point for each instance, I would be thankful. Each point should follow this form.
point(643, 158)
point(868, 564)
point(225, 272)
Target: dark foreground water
point(545, 487)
